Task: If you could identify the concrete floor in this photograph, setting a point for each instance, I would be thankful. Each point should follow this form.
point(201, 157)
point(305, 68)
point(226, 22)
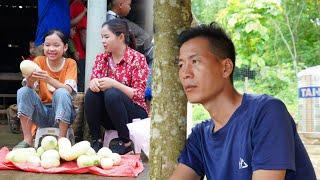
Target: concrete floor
point(9, 140)
point(313, 149)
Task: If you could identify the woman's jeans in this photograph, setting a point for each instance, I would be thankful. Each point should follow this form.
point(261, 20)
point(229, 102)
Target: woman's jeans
point(61, 109)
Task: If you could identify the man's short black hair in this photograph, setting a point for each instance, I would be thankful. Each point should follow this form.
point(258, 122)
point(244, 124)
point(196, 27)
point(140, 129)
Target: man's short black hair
point(112, 3)
point(221, 44)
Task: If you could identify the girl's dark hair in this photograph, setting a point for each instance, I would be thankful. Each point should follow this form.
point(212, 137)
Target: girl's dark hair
point(118, 26)
point(60, 34)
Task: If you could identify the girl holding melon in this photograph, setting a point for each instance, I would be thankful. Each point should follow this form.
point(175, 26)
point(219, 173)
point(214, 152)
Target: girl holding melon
point(55, 78)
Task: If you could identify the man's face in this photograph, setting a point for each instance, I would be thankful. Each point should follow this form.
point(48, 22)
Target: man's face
point(125, 7)
point(200, 72)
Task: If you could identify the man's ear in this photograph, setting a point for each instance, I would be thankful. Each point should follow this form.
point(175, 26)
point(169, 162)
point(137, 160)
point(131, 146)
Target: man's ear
point(120, 4)
point(227, 67)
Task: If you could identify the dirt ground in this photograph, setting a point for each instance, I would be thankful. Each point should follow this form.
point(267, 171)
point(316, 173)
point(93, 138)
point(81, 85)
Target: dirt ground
point(313, 148)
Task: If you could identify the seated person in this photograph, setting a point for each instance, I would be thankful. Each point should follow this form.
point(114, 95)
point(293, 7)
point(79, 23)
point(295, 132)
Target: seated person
point(116, 89)
point(248, 136)
point(56, 82)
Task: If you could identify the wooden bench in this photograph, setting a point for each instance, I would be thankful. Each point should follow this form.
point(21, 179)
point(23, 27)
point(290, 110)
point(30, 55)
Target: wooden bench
point(4, 111)
point(9, 77)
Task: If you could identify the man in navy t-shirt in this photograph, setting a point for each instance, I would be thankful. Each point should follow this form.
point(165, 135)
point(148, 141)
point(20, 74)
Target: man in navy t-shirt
point(249, 137)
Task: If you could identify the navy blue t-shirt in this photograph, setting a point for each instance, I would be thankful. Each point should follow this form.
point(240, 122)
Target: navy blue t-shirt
point(260, 134)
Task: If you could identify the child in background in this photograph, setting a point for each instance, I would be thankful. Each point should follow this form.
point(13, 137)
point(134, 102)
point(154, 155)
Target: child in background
point(32, 51)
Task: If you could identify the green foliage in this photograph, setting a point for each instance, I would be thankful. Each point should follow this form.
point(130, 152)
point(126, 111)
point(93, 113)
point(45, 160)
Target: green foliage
point(247, 22)
point(205, 10)
point(274, 40)
point(199, 113)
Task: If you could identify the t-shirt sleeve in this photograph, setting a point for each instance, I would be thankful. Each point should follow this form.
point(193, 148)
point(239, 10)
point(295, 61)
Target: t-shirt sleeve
point(191, 154)
point(273, 138)
point(71, 76)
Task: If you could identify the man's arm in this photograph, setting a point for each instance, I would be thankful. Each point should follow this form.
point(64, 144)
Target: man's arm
point(183, 172)
point(78, 18)
point(268, 174)
point(83, 37)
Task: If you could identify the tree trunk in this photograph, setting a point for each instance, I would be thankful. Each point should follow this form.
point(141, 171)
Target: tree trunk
point(169, 104)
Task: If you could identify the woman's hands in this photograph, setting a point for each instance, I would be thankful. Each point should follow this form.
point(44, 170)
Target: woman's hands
point(102, 84)
point(42, 75)
point(97, 85)
point(38, 75)
point(30, 81)
point(106, 83)
point(94, 85)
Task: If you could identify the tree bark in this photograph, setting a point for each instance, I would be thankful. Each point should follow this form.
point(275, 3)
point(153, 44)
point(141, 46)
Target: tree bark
point(169, 104)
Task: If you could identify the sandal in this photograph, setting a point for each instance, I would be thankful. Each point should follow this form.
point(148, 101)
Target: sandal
point(22, 144)
point(116, 145)
point(97, 145)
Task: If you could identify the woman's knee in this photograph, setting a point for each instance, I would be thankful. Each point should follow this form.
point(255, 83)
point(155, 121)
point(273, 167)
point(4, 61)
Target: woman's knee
point(25, 93)
point(61, 96)
point(91, 96)
point(61, 92)
point(113, 95)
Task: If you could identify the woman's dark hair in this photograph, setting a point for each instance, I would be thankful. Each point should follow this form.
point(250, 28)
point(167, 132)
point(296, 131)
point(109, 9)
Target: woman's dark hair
point(118, 26)
point(221, 44)
point(60, 34)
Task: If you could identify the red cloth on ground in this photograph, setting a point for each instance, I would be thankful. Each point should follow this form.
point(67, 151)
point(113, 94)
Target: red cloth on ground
point(130, 166)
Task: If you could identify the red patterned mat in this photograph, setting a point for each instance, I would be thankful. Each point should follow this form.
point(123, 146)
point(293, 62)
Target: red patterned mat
point(130, 166)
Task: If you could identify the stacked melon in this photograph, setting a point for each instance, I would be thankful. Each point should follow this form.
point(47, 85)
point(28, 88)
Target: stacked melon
point(23, 155)
point(50, 152)
point(46, 155)
point(108, 159)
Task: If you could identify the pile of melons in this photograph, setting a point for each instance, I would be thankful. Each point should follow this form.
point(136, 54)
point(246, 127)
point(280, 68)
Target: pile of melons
point(51, 151)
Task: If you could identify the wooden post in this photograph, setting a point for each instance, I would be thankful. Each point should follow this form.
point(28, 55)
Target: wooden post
point(97, 12)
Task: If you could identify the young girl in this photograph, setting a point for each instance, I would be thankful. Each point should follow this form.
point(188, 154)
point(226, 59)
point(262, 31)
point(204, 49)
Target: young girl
point(116, 90)
point(56, 81)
